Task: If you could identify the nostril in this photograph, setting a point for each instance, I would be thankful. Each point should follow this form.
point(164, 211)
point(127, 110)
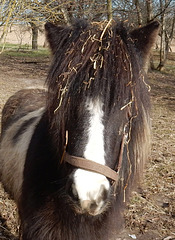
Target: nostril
point(74, 192)
point(93, 206)
point(71, 190)
point(85, 204)
point(88, 205)
point(103, 194)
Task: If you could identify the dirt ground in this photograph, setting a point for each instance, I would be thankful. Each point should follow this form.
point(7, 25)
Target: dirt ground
point(150, 214)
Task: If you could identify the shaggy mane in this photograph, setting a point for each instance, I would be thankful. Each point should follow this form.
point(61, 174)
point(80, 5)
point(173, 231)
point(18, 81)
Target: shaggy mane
point(90, 60)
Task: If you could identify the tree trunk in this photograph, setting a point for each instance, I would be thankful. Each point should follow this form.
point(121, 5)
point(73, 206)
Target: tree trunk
point(66, 15)
point(149, 6)
point(162, 39)
point(2, 36)
point(168, 40)
point(139, 14)
point(34, 36)
point(172, 31)
point(109, 9)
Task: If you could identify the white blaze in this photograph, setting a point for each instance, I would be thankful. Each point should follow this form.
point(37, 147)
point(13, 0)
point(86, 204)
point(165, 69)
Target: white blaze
point(95, 146)
point(88, 184)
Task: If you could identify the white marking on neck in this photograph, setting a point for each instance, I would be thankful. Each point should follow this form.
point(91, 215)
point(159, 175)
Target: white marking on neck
point(95, 147)
point(13, 156)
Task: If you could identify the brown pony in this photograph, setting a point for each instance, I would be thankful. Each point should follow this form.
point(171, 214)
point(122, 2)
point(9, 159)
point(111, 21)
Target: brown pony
point(70, 155)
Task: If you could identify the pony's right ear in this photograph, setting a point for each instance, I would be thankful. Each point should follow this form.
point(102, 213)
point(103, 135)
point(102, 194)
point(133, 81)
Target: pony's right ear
point(53, 35)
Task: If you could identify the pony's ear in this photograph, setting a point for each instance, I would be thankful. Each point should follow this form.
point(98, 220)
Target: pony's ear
point(53, 33)
point(144, 38)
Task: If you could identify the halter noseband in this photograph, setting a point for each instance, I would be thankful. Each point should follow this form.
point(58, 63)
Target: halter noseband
point(97, 167)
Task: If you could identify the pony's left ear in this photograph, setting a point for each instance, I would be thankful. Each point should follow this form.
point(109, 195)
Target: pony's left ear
point(53, 33)
point(144, 38)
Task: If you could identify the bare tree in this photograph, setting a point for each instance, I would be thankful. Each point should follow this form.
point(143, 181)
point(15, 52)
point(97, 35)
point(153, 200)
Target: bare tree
point(135, 12)
point(167, 19)
point(35, 30)
point(109, 11)
point(149, 8)
point(149, 5)
point(139, 13)
point(7, 9)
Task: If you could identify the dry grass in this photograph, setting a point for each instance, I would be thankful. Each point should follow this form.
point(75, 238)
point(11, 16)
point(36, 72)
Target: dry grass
point(153, 208)
point(151, 212)
point(8, 217)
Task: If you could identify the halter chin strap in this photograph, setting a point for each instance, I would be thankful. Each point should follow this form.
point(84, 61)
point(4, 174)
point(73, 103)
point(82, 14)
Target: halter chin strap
point(96, 167)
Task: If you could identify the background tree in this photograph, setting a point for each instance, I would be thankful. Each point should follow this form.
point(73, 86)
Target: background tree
point(149, 7)
point(167, 19)
point(136, 12)
point(109, 9)
point(139, 12)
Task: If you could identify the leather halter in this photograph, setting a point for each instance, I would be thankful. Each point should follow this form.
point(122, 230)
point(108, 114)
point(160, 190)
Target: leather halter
point(96, 167)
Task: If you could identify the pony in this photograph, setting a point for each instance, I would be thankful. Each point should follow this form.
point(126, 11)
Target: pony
point(71, 154)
